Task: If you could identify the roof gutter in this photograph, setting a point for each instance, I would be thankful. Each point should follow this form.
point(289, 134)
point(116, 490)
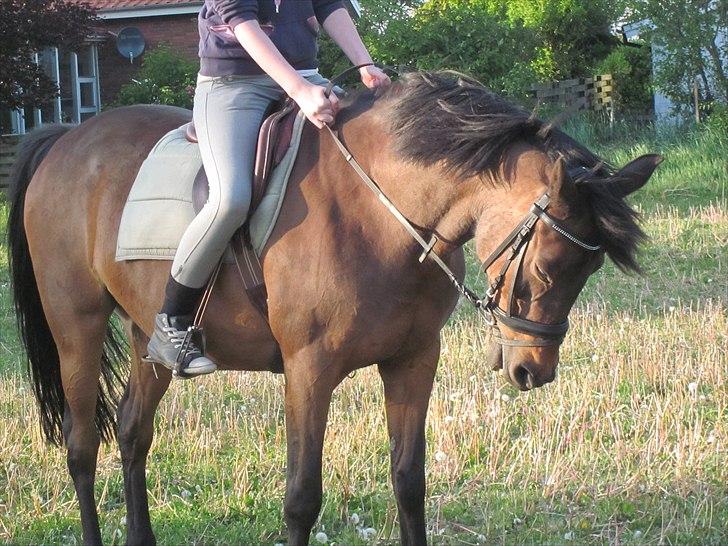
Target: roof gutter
point(191, 8)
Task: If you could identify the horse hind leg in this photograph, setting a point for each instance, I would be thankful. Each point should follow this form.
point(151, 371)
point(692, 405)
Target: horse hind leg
point(136, 426)
point(77, 310)
point(80, 343)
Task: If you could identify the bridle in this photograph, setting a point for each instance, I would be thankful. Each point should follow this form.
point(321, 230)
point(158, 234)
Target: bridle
point(516, 243)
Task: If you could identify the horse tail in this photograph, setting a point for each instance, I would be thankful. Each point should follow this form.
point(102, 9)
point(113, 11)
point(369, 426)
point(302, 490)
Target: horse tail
point(43, 363)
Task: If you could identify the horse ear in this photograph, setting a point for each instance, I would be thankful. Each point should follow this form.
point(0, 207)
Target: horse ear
point(560, 184)
point(635, 174)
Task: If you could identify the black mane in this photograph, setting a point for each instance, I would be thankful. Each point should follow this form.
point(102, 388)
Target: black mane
point(450, 119)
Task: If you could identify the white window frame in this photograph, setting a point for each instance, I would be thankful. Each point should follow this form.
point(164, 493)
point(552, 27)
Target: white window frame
point(17, 117)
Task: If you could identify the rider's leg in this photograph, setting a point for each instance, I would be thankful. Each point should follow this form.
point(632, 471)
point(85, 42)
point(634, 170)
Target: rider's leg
point(228, 113)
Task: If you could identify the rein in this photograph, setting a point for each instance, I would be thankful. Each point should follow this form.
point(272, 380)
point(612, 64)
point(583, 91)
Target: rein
point(516, 244)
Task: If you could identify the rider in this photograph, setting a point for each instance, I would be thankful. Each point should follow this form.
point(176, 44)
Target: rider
point(252, 53)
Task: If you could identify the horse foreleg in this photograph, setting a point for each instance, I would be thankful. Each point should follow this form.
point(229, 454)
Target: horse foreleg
point(136, 428)
point(308, 395)
point(407, 388)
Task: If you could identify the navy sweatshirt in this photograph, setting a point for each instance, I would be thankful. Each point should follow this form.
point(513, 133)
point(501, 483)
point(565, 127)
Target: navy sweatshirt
point(293, 28)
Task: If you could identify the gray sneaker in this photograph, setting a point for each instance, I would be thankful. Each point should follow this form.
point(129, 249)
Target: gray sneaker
point(177, 348)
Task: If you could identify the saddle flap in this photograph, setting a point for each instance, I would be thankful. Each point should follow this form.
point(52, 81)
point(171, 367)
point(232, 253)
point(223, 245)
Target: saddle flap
point(274, 139)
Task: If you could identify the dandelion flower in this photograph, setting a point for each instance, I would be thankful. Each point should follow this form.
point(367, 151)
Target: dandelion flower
point(354, 519)
point(368, 533)
point(440, 456)
point(321, 537)
point(505, 397)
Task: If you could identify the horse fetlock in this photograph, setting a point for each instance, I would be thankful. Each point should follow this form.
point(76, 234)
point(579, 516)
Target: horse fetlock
point(302, 508)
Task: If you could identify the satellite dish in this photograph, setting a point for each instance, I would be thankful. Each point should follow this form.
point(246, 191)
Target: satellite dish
point(130, 43)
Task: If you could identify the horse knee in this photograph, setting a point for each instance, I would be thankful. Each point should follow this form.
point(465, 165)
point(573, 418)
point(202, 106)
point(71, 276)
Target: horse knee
point(81, 455)
point(134, 437)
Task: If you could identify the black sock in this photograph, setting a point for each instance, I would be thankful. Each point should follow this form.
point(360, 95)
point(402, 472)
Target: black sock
point(180, 299)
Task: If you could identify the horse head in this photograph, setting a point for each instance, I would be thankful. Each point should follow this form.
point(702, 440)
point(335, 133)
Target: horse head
point(576, 217)
point(543, 209)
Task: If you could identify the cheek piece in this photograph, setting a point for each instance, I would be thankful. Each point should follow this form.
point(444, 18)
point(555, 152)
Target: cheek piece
point(515, 245)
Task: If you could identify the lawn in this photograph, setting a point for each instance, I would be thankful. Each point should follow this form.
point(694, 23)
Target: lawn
point(628, 446)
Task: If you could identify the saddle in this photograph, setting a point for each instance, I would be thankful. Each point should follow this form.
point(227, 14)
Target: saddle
point(274, 139)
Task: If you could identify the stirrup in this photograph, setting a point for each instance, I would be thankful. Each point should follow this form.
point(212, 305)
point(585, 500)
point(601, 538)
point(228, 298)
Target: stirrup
point(178, 370)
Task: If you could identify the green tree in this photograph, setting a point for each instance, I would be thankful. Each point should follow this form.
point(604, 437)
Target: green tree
point(166, 77)
point(26, 27)
point(509, 45)
point(693, 37)
point(571, 34)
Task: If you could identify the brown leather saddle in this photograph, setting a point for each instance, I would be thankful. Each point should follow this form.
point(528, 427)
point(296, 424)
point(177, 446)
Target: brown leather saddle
point(274, 140)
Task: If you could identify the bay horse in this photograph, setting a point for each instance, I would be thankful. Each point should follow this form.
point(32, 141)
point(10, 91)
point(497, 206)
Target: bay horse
point(346, 289)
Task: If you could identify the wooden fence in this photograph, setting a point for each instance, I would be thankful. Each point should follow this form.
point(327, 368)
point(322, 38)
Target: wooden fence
point(580, 94)
point(7, 155)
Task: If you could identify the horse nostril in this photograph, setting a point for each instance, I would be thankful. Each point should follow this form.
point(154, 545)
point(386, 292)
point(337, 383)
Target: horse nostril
point(523, 378)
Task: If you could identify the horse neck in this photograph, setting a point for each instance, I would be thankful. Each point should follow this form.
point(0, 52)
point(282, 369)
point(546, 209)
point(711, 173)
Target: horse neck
point(427, 196)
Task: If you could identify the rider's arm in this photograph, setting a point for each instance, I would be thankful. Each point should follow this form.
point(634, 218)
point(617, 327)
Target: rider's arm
point(342, 30)
point(309, 97)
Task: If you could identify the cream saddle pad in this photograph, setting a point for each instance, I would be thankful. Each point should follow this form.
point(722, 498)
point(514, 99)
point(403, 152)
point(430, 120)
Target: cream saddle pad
point(159, 206)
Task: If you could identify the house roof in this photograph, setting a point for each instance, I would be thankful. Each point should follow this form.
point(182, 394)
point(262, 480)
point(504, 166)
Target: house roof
point(118, 5)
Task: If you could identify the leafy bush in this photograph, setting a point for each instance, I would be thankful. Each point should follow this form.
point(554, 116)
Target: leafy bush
point(166, 77)
point(509, 46)
point(631, 69)
point(717, 119)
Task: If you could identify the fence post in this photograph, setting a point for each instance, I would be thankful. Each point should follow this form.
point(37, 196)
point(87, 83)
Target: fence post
point(696, 99)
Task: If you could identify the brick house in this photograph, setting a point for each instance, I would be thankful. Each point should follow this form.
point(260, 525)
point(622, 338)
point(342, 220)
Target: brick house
point(170, 22)
point(91, 77)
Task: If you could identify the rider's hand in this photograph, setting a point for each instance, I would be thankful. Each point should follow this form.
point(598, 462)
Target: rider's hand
point(374, 77)
point(316, 107)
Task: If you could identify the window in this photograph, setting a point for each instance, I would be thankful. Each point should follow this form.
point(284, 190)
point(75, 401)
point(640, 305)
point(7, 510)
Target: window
point(77, 76)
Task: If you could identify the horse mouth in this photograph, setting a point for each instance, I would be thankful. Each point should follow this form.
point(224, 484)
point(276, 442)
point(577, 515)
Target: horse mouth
point(495, 357)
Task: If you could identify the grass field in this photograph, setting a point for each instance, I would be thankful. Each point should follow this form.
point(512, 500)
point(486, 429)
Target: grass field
point(628, 446)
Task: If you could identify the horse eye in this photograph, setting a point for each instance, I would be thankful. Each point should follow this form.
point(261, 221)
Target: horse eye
point(541, 274)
